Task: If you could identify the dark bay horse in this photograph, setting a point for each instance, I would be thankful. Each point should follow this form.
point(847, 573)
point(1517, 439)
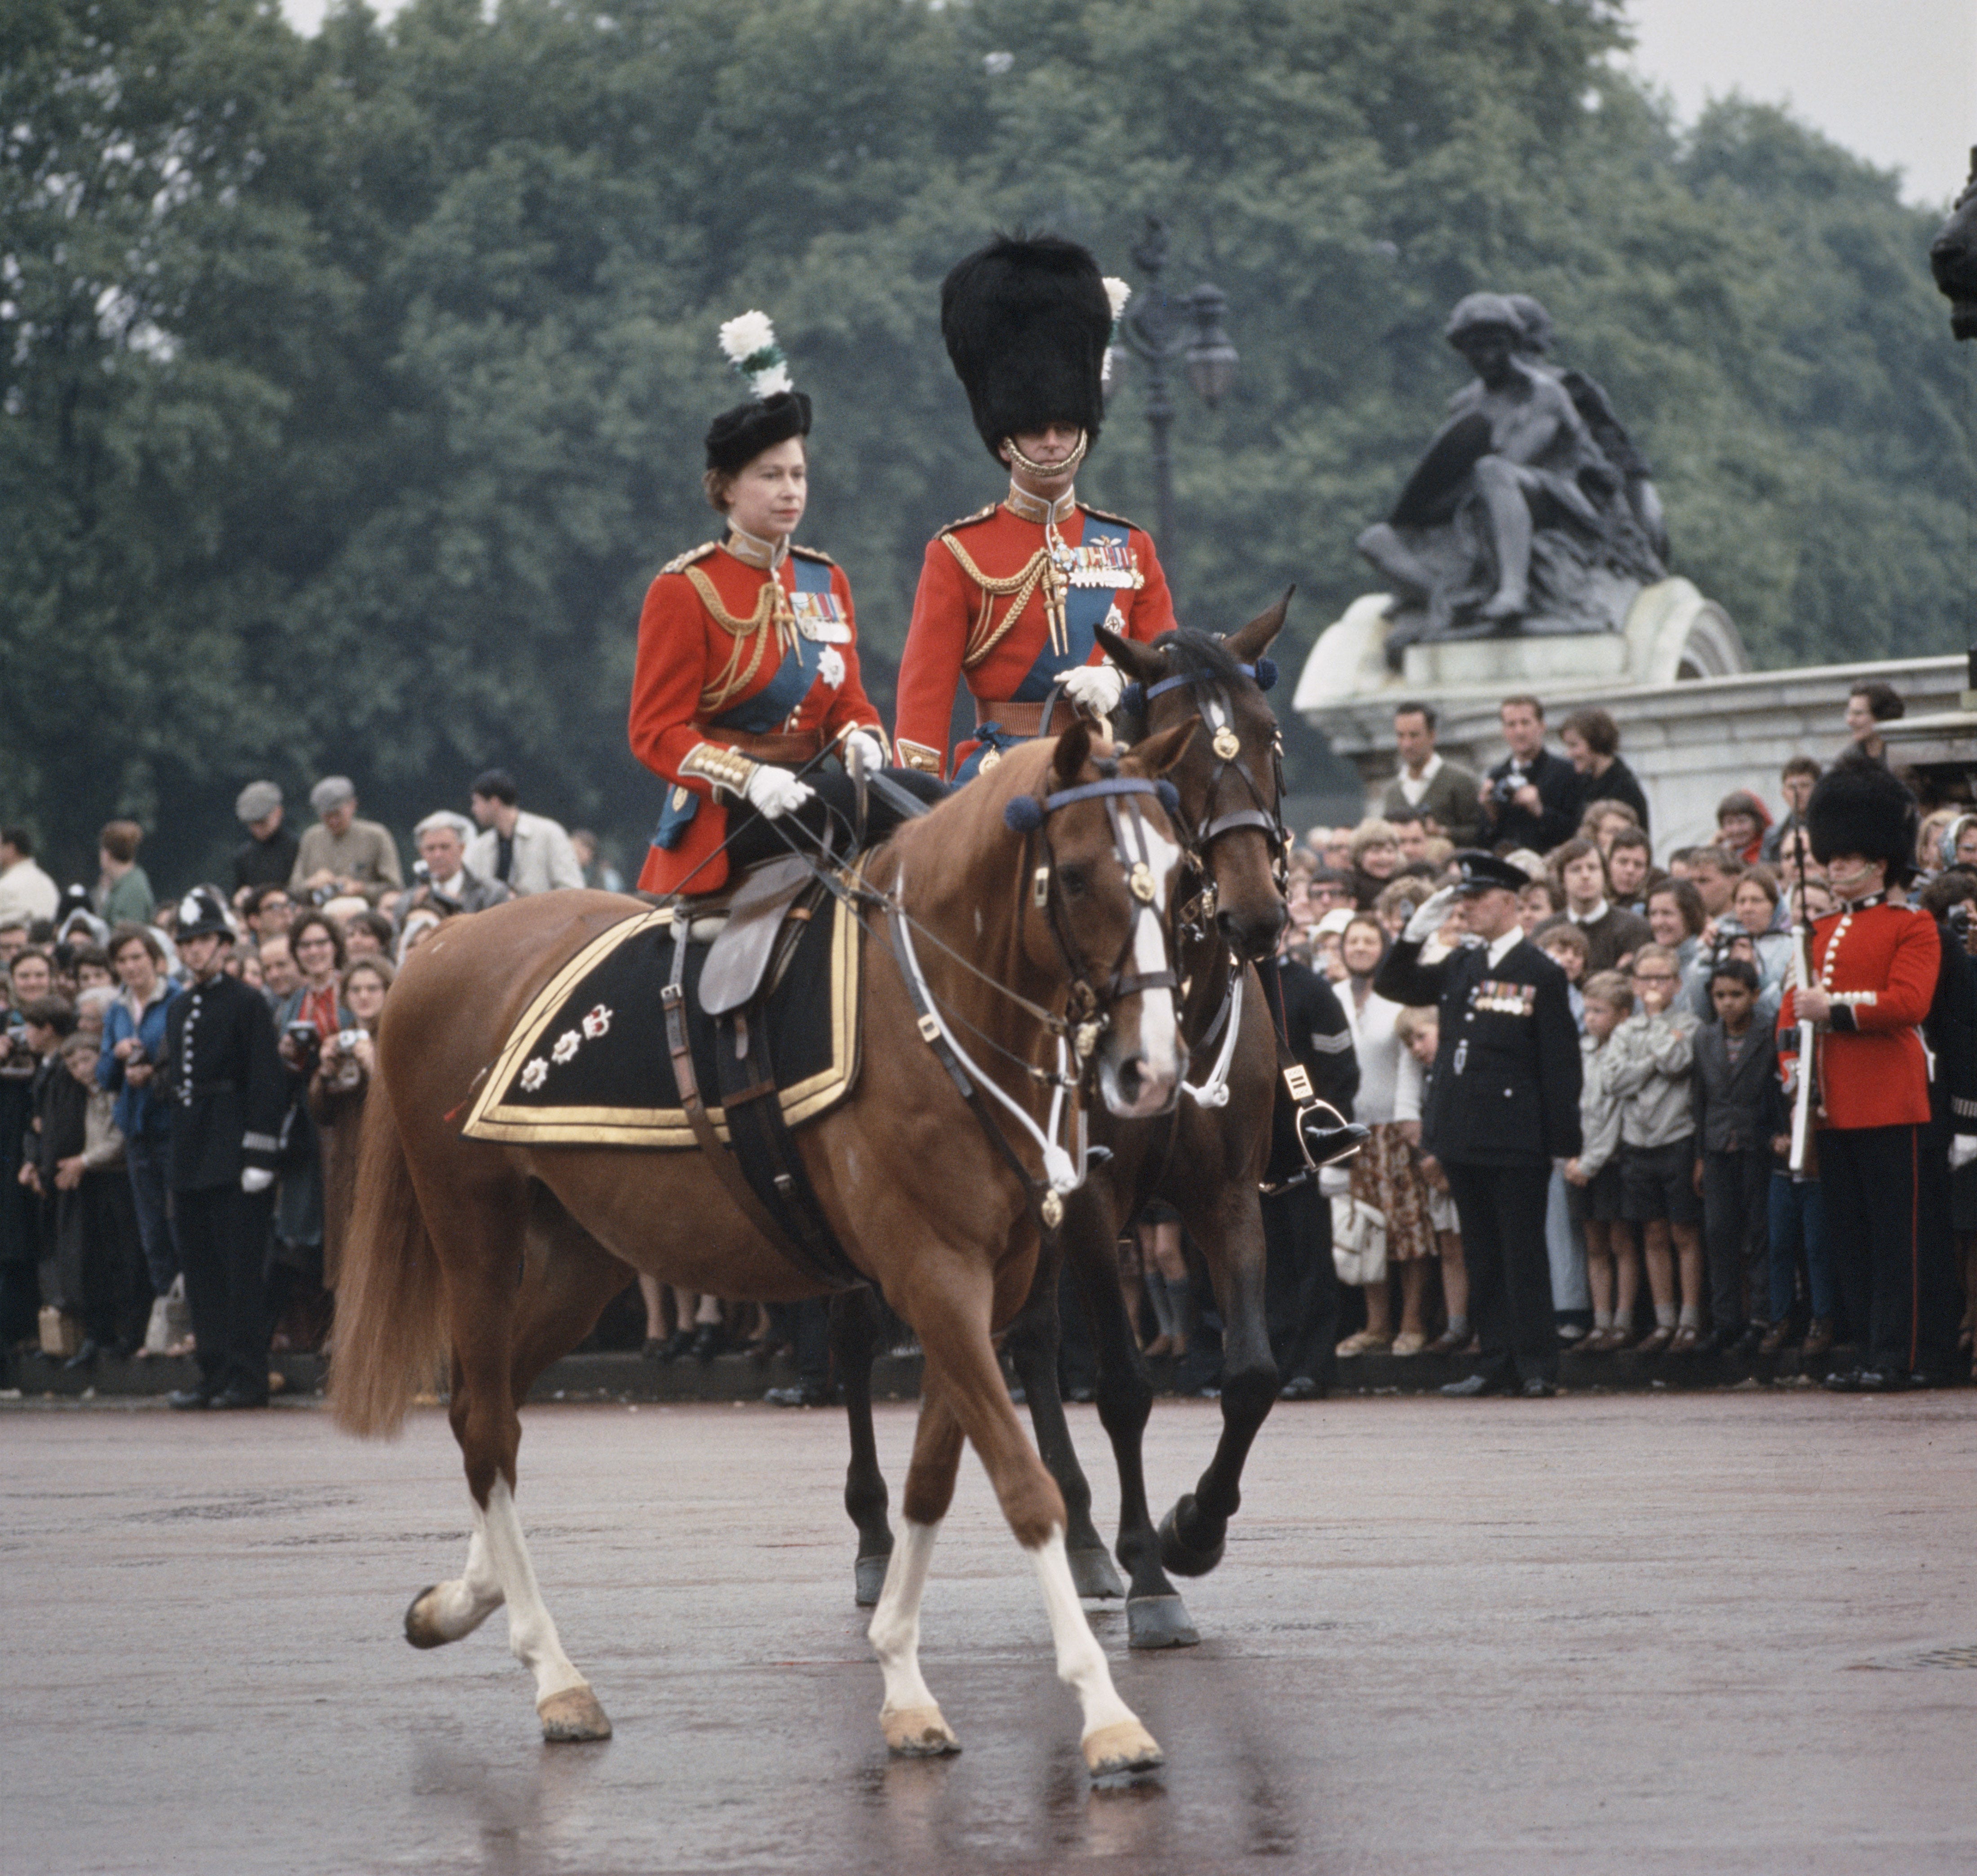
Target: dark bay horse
point(499, 1257)
point(1206, 1157)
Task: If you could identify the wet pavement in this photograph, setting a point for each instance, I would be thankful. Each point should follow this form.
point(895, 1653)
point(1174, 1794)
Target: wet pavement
point(1724, 1632)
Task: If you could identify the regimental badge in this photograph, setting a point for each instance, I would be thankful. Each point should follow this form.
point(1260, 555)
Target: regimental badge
point(820, 618)
point(1105, 561)
point(1497, 996)
point(989, 759)
point(1227, 744)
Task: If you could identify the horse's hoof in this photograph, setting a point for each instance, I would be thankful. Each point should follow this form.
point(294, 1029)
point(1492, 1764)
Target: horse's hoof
point(420, 1629)
point(572, 1716)
point(1092, 1576)
point(1181, 1556)
point(1125, 1746)
point(1159, 1622)
point(868, 1576)
point(918, 1732)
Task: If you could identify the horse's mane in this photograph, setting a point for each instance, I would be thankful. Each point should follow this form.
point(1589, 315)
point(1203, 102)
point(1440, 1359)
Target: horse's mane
point(971, 818)
point(1200, 655)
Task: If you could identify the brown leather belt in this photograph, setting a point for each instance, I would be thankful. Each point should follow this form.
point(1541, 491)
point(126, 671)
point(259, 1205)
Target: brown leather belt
point(1026, 719)
point(797, 747)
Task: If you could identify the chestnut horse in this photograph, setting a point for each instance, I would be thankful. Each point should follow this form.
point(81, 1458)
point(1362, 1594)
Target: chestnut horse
point(1205, 1157)
point(500, 1256)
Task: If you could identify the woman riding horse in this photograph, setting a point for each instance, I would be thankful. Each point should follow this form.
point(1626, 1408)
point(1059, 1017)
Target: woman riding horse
point(748, 666)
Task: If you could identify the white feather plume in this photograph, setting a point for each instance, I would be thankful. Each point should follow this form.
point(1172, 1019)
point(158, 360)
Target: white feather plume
point(1118, 291)
point(741, 337)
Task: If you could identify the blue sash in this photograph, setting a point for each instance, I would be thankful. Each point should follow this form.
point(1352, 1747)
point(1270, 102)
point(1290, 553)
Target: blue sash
point(1084, 611)
point(768, 709)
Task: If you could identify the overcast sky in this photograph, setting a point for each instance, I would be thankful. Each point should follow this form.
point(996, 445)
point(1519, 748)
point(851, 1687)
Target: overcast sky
point(1895, 80)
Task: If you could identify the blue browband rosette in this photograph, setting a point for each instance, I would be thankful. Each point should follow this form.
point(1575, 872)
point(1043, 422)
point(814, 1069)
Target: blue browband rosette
point(1024, 814)
point(1265, 672)
point(1132, 699)
point(1170, 797)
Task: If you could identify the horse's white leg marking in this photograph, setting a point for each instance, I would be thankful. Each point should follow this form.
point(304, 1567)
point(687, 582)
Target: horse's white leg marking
point(1113, 1739)
point(532, 1631)
point(459, 1606)
point(911, 1718)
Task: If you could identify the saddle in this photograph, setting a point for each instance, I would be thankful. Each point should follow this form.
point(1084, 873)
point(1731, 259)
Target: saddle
point(699, 1023)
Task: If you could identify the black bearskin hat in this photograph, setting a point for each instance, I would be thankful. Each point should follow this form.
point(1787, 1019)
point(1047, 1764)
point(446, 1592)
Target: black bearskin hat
point(736, 437)
point(1027, 322)
point(1857, 806)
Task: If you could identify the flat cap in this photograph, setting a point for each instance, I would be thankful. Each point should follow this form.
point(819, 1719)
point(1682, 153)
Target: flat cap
point(331, 791)
point(257, 801)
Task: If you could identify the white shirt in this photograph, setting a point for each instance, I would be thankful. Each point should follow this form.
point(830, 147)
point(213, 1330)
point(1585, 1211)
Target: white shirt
point(1379, 1050)
point(1500, 948)
point(1414, 787)
point(1593, 918)
point(27, 894)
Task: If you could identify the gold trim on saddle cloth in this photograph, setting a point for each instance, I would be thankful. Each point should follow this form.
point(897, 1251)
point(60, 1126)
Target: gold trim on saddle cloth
point(662, 1128)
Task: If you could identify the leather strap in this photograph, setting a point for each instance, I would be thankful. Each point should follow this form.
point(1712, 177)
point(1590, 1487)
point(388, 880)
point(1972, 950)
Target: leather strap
point(799, 745)
point(1027, 720)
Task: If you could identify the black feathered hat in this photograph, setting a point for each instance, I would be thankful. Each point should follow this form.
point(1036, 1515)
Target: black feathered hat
point(776, 412)
point(1027, 320)
point(1857, 806)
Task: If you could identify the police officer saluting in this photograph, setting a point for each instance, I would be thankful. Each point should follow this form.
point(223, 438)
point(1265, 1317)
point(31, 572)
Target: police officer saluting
point(1010, 598)
point(223, 1075)
point(1504, 1105)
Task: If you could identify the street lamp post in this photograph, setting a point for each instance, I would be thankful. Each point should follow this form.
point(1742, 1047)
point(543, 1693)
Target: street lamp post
point(1157, 330)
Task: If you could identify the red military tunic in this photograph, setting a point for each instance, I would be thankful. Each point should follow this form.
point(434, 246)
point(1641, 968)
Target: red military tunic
point(718, 629)
point(1879, 964)
point(990, 599)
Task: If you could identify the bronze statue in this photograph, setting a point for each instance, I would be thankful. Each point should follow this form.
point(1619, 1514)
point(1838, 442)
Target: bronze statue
point(1516, 520)
point(1953, 259)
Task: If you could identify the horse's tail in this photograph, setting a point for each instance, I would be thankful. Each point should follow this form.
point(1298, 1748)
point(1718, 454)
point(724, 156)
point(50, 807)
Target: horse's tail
point(391, 1335)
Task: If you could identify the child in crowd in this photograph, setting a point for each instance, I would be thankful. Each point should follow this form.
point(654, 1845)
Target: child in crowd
point(1796, 1229)
point(99, 1263)
point(1654, 1052)
point(1593, 1180)
point(1735, 1082)
point(1565, 944)
point(1420, 1030)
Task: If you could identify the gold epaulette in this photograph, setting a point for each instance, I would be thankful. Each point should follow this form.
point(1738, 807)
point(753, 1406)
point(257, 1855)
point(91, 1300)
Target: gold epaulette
point(969, 521)
point(812, 553)
point(1099, 514)
point(680, 563)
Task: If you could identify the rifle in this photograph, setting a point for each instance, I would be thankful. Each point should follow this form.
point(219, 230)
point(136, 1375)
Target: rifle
point(1801, 1132)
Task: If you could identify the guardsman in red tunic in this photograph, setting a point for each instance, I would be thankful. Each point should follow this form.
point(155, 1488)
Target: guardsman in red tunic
point(747, 667)
point(1011, 597)
point(1873, 975)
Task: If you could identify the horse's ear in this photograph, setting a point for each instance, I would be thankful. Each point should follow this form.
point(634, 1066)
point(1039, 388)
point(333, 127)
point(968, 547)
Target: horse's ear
point(1074, 750)
point(1255, 638)
point(1159, 753)
point(1140, 663)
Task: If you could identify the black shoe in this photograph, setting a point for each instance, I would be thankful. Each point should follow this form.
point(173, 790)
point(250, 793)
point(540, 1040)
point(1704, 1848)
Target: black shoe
point(1477, 1386)
point(1881, 1381)
point(233, 1397)
point(804, 1395)
point(1300, 1387)
point(1750, 1340)
point(185, 1398)
point(83, 1357)
point(654, 1349)
point(706, 1342)
point(1538, 1388)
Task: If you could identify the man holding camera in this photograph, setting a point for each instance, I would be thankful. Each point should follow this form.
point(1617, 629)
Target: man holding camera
point(1531, 798)
point(446, 882)
point(220, 1070)
point(342, 856)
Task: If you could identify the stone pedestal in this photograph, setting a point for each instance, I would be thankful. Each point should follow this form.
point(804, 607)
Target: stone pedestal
point(1695, 721)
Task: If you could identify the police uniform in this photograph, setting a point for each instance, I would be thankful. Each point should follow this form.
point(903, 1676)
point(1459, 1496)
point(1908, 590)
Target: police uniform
point(1878, 964)
point(1011, 597)
point(222, 1074)
point(1301, 1284)
point(1502, 1106)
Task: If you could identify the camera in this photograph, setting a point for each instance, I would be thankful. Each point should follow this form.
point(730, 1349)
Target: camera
point(1503, 788)
point(347, 1040)
point(1958, 918)
point(304, 1039)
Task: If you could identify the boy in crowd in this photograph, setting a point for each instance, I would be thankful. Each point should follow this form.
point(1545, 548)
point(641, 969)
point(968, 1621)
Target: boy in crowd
point(1612, 935)
point(1593, 1180)
point(1653, 1055)
point(1735, 1082)
point(1630, 862)
point(1565, 944)
point(1419, 1029)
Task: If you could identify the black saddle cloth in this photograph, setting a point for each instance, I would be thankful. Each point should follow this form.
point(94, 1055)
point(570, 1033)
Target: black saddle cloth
point(588, 1064)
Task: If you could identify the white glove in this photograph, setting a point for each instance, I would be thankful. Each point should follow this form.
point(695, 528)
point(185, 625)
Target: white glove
point(775, 792)
point(255, 1179)
point(1963, 1150)
point(1096, 687)
point(1430, 919)
point(871, 752)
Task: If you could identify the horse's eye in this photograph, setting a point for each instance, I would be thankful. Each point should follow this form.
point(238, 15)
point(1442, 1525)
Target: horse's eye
point(1075, 880)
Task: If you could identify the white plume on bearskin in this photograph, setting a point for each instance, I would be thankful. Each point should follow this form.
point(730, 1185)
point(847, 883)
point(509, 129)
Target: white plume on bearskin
point(749, 342)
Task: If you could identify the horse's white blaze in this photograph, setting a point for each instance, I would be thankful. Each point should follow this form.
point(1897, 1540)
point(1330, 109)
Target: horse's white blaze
point(1160, 1056)
point(458, 1608)
point(895, 1632)
point(1081, 1662)
point(532, 1631)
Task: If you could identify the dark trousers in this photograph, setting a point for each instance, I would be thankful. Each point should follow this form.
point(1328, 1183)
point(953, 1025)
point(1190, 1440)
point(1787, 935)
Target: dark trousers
point(1300, 1284)
point(1502, 1213)
point(145, 1160)
point(223, 1236)
point(1900, 1307)
point(806, 1326)
point(1736, 1232)
point(752, 840)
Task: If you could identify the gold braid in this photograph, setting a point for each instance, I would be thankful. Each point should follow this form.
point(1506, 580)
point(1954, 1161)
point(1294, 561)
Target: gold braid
point(1021, 584)
point(772, 608)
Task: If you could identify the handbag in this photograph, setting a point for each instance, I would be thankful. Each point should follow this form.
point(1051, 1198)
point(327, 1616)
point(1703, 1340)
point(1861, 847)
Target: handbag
point(1358, 1241)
